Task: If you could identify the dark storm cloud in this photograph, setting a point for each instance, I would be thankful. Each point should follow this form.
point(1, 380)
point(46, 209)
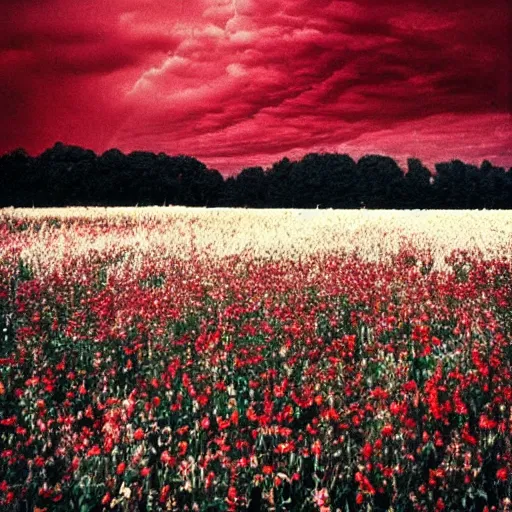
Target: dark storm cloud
point(243, 82)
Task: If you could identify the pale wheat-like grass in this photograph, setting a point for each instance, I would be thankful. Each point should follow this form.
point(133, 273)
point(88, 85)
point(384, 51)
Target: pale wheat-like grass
point(170, 232)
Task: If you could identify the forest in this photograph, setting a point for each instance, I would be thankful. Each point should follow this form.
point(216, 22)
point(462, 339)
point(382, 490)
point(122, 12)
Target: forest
point(66, 175)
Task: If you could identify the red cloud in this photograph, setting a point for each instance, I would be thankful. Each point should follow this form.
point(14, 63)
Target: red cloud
point(245, 82)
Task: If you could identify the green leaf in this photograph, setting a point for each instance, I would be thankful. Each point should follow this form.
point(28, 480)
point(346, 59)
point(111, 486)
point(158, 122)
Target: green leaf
point(481, 494)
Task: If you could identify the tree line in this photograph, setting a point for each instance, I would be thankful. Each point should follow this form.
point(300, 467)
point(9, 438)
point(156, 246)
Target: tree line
point(72, 176)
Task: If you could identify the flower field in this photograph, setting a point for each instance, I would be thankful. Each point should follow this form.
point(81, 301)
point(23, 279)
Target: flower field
point(180, 359)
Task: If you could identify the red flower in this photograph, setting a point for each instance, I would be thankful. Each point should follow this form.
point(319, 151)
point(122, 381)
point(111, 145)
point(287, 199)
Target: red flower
point(367, 451)
point(202, 400)
point(316, 449)
point(144, 472)
point(164, 493)
point(75, 463)
point(9, 422)
point(440, 504)
point(167, 459)
point(387, 430)
point(232, 494)
point(106, 499)
point(210, 477)
point(223, 424)
point(121, 468)
point(138, 435)
point(39, 461)
point(485, 423)
point(94, 451)
point(182, 448)
point(287, 447)
point(502, 474)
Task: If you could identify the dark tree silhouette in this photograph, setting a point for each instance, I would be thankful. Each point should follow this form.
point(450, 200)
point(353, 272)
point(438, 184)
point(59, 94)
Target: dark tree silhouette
point(417, 186)
point(324, 181)
point(454, 185)
point(279, 184)
point(70, 175)
point(250, 188)
point(342, 182)
point(493, 183)
point(14, 174)
point(381, 182)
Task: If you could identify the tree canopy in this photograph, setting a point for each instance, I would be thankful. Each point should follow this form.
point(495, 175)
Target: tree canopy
point(71, 176)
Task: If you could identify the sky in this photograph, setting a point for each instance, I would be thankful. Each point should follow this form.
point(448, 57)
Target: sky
point(238, 83)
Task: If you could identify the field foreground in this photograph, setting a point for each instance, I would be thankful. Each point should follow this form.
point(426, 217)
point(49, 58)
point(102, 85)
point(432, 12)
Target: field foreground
point(191, 359)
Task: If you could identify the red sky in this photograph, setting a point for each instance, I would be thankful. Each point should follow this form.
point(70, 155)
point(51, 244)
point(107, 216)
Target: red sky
point(246, 82)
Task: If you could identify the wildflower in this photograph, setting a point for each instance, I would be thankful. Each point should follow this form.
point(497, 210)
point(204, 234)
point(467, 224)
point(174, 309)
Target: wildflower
point(321, 497)
point(316, 448)
point(387, 430)
point(485, 423)
point(138, 435)
point(106, 499)
point(164, 492)
point(502, 474)
point(167, 459)
point(182, 448)
point(367, 451)
point(94, 451)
